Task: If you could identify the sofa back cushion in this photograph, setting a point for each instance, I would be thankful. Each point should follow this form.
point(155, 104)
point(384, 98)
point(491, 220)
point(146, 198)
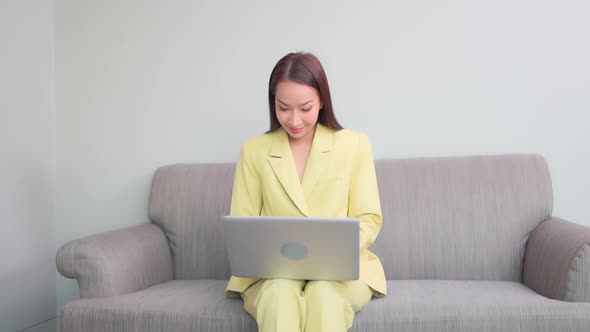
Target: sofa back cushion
point(187, 201)
point(443, 218)
point(460, 218)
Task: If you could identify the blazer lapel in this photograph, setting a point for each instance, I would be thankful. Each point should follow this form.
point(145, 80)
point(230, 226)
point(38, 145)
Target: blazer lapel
point(317, 160)
point(283, 165)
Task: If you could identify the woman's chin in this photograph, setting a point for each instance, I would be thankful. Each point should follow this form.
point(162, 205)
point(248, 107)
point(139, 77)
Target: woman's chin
point(296, 136)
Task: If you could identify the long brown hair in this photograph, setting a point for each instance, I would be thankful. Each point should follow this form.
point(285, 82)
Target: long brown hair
point(303, 68)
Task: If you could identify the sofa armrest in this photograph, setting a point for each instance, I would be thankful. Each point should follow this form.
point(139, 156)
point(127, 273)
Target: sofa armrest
point(117, 262)
point(557, 261)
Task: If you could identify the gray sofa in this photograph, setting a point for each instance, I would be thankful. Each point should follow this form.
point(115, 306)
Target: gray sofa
point(467, 243)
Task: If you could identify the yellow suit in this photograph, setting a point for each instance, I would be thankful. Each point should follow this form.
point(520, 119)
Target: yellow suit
point(338, 181)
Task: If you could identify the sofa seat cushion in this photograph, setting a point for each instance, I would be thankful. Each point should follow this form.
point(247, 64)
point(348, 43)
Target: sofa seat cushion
point(176, 305)
point(411, 305)
point(464, 305)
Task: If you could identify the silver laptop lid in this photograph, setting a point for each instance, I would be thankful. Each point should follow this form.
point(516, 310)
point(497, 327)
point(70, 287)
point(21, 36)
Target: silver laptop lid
point(292, 247)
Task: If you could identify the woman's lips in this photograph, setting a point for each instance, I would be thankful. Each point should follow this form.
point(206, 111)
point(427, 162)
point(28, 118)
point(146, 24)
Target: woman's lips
point(295, 131)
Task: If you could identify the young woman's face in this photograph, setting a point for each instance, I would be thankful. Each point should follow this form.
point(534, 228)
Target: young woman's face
point(297, 107)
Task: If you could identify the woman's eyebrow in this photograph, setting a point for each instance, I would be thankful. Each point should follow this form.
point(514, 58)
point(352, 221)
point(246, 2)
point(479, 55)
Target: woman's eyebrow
point(307, 102)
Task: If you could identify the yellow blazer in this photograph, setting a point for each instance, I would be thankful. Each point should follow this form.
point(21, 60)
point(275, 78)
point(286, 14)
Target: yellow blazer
point(338, 181)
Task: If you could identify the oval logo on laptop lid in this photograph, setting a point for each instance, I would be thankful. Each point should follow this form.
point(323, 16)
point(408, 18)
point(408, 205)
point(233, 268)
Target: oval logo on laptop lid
point(294, 250)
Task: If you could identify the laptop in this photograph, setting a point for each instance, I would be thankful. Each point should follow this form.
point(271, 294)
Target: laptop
point(292, 247)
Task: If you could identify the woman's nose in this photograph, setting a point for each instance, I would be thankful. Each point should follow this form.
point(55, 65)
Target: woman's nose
point(294, 120)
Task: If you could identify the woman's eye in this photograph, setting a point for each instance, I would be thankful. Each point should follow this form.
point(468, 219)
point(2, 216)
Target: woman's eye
point(283, 109)
point(307, 110)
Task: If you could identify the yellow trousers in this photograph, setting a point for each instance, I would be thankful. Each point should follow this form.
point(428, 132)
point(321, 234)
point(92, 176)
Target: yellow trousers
point(287, 305)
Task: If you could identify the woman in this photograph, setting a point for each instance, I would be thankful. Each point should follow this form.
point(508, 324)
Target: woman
point(307, 165)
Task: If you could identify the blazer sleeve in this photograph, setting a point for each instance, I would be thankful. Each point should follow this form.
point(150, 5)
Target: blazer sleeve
point(246, 193)
point(363, 202)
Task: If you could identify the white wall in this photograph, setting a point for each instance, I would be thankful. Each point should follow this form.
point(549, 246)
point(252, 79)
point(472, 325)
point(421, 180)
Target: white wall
point(27, 171)
point(146, 83)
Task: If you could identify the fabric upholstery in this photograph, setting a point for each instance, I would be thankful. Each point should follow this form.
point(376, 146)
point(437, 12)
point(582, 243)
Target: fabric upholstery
point(464, 219)
point(187, 201)
point(443, 218)
point(117, 262)
point(412, 305)
point(557, 261)
point(578, 287)
point(460, 217)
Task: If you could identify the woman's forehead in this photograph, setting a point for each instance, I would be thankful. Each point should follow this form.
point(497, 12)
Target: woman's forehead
point(292, 93)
